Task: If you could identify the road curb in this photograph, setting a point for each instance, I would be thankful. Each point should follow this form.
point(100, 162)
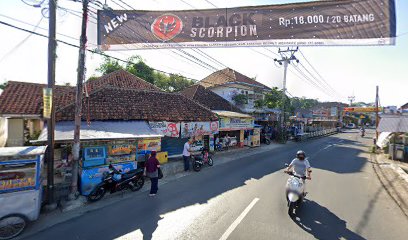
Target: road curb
point(393, 180)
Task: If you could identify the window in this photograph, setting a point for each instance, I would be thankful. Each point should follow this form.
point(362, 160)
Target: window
point(246, 92)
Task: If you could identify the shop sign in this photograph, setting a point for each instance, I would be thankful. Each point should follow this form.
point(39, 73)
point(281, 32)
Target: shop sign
point(362, 109)
point(168, 129)
point(333, 112)
point(193, 129)
point(236, 123)
point(120, 149)
point(47, 102)
point(153, 144)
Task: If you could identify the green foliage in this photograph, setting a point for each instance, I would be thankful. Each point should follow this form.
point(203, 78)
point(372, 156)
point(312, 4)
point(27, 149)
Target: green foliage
point(137, 67)
point(240, 99)
point(108, 66)
point(91, 78)
point(260, 103)
point(303, 103)
point(3, 85)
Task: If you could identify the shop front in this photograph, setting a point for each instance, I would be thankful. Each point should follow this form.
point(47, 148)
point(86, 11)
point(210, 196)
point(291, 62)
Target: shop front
point(236, 129)
point(176, 134)
point(124, 144)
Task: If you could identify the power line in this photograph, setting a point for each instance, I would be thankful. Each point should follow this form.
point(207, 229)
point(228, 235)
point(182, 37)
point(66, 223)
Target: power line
point(211, 3)
point(323, 80)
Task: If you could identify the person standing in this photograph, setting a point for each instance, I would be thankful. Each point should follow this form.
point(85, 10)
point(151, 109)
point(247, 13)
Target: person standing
point(152, 171)
point(187, 154)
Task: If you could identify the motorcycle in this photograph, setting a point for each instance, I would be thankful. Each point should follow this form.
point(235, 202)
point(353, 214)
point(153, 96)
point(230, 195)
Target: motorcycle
point(199, 161)
point(115, 181)
point(265, 139)
point(294, 192)
point(362, 132)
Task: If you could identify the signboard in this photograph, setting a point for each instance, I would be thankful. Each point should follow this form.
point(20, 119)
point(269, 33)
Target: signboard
point(121, 149)
point(362, 109)
point(47, 102)
point(317, 23)
point(236, 123)
point(193, 129)
point(333, 112)
point(168, 129)
point(18, 175)
point(153, 144)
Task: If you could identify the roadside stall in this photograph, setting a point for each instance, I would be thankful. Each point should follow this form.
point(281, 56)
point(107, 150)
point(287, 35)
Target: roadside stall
point(20, 188)
point(236, 129)
point(395, 129)
point(124, 144)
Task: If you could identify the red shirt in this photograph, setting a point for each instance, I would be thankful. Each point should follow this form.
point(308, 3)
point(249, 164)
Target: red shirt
point(151, 164)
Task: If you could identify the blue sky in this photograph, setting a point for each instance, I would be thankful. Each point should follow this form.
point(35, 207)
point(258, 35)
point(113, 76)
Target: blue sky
point(350, 70)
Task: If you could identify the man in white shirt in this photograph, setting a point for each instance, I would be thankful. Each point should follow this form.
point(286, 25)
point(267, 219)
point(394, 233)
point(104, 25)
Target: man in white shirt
point(187, 154)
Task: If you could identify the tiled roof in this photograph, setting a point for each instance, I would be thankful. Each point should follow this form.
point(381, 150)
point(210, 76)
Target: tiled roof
point(121, 79)
point(26, 98)
point(130, 104)
point(405, 106)
point(209, 99)
point(228, 75)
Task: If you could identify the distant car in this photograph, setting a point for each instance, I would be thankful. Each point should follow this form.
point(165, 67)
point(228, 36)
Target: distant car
point(351, 125)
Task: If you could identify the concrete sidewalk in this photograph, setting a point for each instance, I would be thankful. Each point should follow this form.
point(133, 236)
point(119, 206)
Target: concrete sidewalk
point(171, 171)
point(393, 178)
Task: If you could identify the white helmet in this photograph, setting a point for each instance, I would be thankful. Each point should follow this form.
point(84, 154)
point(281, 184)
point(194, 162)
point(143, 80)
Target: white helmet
point(300, 152)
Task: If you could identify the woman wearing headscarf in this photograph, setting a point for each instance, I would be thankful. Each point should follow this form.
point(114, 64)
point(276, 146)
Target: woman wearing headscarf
point(152, 171)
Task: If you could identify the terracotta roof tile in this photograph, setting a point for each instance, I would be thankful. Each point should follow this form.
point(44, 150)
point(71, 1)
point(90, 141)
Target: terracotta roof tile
point(121, 79)
point(228, 75)
point(130, 104)
point(209, 99)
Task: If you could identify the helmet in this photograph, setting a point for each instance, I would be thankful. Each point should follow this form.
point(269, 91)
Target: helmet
point(301, 153)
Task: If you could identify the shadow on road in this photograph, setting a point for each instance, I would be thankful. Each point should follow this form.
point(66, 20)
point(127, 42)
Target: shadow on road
point(322, 223)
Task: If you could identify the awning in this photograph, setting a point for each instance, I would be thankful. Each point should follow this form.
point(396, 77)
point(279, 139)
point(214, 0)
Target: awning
point(393, 124)
point(101, 130)
point(231, 114)
point(22, 151)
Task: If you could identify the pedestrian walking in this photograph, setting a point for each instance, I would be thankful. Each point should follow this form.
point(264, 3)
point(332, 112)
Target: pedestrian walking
point(152, 171)
point(187, 154)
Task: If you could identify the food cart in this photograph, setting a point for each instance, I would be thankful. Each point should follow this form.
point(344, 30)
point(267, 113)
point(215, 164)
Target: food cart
point(20, 188)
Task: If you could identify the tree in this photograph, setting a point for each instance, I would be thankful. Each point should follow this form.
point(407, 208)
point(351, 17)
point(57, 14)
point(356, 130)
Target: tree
point(108, 66)
point(240, 99)
point(140, 69)
point(3, 85)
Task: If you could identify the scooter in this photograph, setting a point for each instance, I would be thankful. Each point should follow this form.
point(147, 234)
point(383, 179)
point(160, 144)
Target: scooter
point(199, 161)
point(115, 181)
point(294, 192)
point(265, 139)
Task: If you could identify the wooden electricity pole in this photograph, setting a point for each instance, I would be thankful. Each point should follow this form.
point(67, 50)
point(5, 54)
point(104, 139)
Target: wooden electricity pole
point(78, 99)
point(52, 47)
point(377, 119)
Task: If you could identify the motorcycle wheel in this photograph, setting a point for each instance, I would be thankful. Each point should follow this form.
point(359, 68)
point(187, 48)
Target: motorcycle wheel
point(137, 184)
point(12, 225)
point(267, 141)
point(291, 208)
point(210, 161)
point(196, 166)
point(97, 194)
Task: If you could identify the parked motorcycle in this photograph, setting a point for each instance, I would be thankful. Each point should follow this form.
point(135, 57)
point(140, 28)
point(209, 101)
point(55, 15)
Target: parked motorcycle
point(294, 192)
point(199, 161)
point(115, 181)
point(265, 139)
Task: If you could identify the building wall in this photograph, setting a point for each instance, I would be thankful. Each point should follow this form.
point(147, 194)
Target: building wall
point(229, 91)
point(3, 132)
point(15, 132)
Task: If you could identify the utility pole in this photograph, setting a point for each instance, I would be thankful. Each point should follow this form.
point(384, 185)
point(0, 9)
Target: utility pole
point(286, 57)
point(351, 99)
point(78, 99)
point(377, 119)
point(52, 47)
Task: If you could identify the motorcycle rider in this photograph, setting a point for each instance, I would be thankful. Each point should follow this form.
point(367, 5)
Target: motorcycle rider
point(300, 165)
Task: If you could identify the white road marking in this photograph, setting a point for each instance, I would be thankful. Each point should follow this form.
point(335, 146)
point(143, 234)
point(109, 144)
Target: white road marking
point(327, 147)
point(239, 219)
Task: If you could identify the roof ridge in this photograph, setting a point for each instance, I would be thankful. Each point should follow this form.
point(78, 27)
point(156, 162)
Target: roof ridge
point(39, 84)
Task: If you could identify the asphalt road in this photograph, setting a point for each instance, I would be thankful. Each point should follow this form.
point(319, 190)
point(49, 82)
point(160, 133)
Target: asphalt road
point(244, 199)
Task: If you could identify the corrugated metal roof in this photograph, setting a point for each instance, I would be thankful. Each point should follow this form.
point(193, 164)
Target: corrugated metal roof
point(232, 114)
point(22, 151)
point(393, 124)
point(98, 130)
